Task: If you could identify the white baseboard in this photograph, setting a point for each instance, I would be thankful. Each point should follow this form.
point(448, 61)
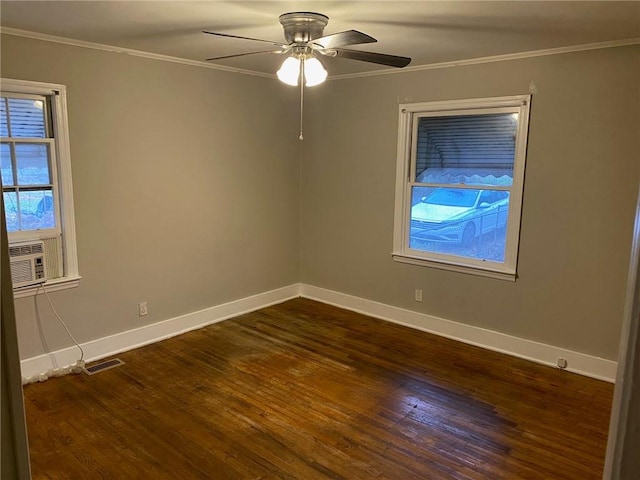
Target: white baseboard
point(138, 337)
point(577, 362)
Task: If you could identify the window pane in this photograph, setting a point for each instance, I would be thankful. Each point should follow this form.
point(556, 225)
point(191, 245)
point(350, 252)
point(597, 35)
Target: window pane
point(463, 222)
point(469, 150)
point(4, 131)
point(36, 209)
point(5, 164)
point(32, 163)
point(26, 118)
point(11, 211)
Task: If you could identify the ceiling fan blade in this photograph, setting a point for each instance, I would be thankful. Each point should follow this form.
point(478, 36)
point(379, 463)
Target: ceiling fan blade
point(371, 57)
point(245, 38)
point(242, 54)
point(341, 39)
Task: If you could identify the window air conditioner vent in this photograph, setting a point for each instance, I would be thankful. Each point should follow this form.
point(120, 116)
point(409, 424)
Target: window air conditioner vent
point(27, 264)
point(26, 249)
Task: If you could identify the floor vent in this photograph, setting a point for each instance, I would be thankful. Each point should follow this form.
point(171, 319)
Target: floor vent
point(102, 366)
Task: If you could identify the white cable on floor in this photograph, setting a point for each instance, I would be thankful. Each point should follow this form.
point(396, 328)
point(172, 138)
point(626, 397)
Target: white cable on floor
point(57, 372)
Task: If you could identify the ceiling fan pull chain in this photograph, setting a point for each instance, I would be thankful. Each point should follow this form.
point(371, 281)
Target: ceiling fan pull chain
point(301, 80)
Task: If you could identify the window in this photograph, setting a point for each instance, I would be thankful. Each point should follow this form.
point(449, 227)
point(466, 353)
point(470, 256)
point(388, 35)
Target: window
point(28, 164)
point(36, 175)
point(459, 184)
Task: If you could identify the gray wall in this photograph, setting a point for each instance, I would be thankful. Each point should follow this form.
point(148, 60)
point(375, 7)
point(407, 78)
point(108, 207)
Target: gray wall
point(185, 188)
point(579, 199)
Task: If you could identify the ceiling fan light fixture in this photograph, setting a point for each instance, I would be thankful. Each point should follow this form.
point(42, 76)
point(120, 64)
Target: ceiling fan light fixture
point(312, 69)
point(289, 71)
point(314, 72)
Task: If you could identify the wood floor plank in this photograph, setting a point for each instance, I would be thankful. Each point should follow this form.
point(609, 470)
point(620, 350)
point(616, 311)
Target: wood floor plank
point(303, 390)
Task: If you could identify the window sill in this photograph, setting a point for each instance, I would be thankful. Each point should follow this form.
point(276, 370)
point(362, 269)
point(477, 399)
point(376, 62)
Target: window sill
point(403, 258)
point(55, 285)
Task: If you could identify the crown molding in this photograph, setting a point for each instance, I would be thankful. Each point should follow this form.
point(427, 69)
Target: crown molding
point(417, 68)
point(127, 51)
point(495, 58)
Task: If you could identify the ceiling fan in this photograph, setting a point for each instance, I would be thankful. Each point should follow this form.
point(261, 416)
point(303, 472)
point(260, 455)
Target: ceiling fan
point(303, 32)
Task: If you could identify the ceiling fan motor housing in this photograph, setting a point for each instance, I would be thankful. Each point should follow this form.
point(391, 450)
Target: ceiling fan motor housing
point(302, 27)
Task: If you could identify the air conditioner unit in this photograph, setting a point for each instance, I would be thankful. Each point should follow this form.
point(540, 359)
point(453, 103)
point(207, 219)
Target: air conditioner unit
point(27, 263)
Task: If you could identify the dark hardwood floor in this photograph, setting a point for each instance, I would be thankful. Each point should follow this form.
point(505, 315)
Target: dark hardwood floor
point(303, 390)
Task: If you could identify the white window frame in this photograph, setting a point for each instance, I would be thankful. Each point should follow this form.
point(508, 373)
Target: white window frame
point(405, 180)
point(63, 185)
point(49, 141)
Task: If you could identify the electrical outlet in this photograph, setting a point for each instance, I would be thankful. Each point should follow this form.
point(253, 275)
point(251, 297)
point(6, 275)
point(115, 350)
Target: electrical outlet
point(142, 309)
point(418, 294)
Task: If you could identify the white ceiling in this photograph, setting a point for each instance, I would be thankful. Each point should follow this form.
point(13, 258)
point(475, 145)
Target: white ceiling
point(427, 31)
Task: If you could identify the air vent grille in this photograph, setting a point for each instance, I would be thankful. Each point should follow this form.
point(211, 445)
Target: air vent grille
point(21, 271)
point(102, 366)
point(28, 249)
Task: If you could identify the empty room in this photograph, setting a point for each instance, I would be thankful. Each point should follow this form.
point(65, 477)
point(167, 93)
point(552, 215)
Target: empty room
point(320, 240)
